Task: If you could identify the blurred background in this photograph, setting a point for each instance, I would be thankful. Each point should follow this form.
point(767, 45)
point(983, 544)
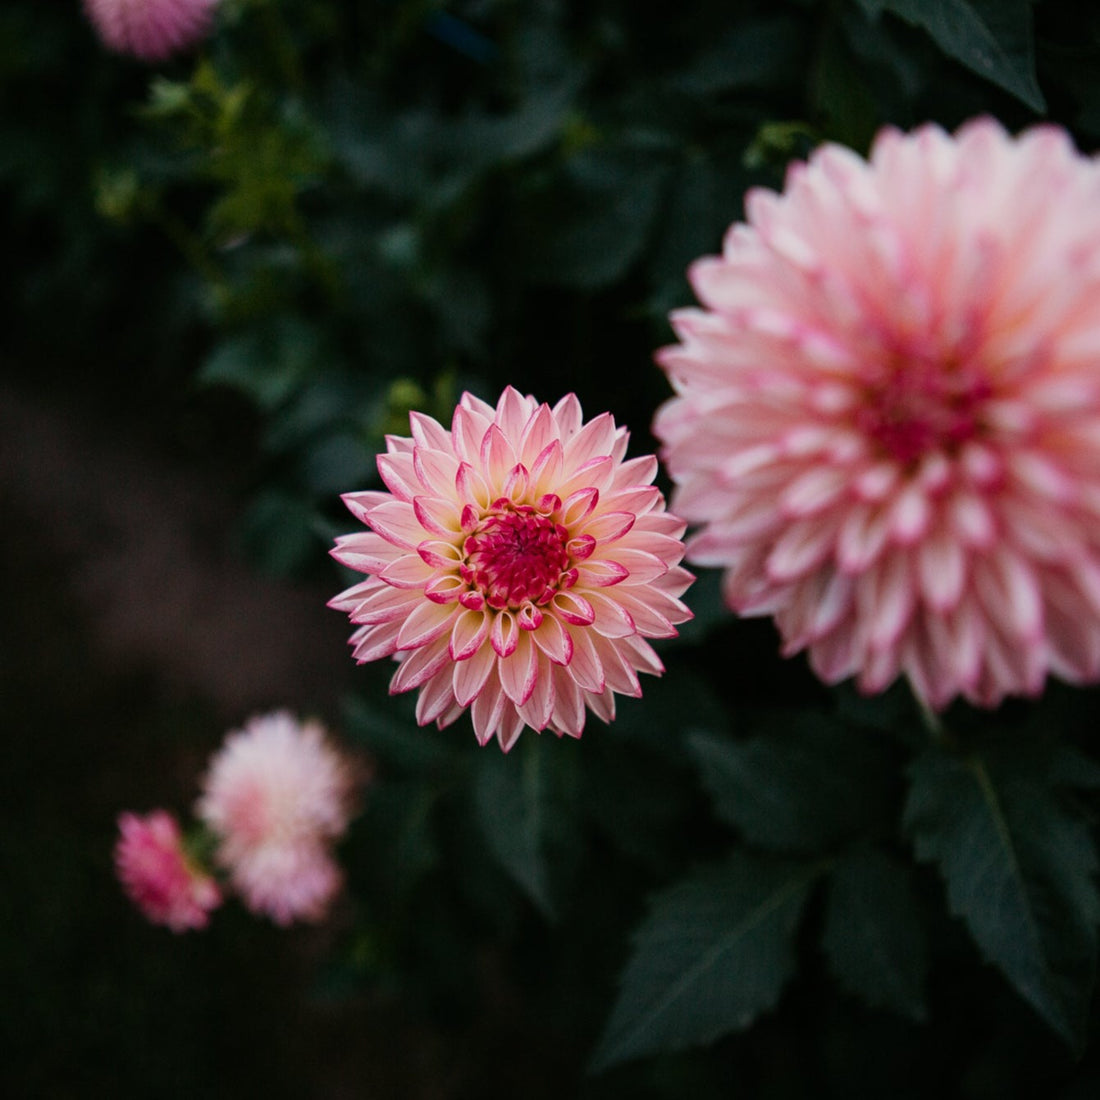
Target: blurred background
point(227, 276)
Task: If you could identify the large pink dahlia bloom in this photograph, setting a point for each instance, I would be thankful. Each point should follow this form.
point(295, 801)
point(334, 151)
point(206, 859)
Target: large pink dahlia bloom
point(158, 875)
point(278, 795)
point(887, 417)
point(151, 29)
point(516, 566)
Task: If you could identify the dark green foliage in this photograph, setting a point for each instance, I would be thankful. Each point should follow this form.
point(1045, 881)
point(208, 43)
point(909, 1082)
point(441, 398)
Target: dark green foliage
point(333, 213)
point(874, 938)
point(714, 952)
point(1019, 867)
point(803, 784)
point(993, 38)
point(526, 807)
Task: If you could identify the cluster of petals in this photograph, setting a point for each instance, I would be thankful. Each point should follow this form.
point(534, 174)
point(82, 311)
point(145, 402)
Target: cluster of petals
point(151, 30)
point(516, 565)
point(157, 874)
point(887, 412)
point(277, 796)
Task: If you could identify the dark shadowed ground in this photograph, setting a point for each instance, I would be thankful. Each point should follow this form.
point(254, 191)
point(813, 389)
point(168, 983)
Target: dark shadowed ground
point(131, 638)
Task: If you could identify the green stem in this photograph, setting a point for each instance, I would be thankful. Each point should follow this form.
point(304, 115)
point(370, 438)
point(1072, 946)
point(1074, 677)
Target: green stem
point(940, 734)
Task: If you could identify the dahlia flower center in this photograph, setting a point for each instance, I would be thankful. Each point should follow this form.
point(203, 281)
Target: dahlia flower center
point(915, 407)
point(516, 556)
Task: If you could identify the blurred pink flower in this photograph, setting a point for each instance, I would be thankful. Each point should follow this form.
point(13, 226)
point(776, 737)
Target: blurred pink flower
point(888, 414)
point(287, 882)
point(277, 795)
point(151, 29)
point(157, 874)
point(515, 567)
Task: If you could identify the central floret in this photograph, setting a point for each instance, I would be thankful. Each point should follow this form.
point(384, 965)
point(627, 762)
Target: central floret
point(517, 555)
point(917, 406)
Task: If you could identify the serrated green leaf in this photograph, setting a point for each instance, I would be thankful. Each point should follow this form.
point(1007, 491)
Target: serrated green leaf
point(512, 797)
point(714, 953)
point(993, 38)
point(1019, 870)
point(803, 784)
point(873, 939)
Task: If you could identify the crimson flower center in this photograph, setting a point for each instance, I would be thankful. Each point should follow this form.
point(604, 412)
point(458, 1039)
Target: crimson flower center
point(916, 406)
point(515, 556)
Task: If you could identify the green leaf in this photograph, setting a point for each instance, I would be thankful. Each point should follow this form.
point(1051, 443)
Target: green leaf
point(803, 784)
point(714, 953)
point(873, 939)
point(757, 53)
point(390, 733)
point(266, 364)
point(401, 818)
point(336, 463)
point(517, 806)
point(893, 713)
point(1019, 871)
point(993, 38)
point(491, 141)
point(675, 704)
point(1072, 768)
point(278, 533)
point(591, 230)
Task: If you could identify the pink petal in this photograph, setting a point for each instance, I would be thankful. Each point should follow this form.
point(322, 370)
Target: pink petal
point(425, 623)
point(612, 620)
point(505, 634)
point(437, 515)
point(470, 676)
point(585, 666)
point(407, 571)
point(552, 638)
point(436, 471)
point(396, 522)
point(469, 633)
point(519, 671)
point(429, 433)
point(419, 667)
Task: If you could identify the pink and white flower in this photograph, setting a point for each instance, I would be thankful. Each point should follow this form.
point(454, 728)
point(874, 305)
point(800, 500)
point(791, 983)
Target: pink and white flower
point(151, 29)
point(158, 875)
point(515, 567)
point(278, 795)
point(887, 417)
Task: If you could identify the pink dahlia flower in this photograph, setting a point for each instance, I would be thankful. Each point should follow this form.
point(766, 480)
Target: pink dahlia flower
point(157, 874)
point(516, 567)
point(277, 795)
point(151, 29)
point(887, 417)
